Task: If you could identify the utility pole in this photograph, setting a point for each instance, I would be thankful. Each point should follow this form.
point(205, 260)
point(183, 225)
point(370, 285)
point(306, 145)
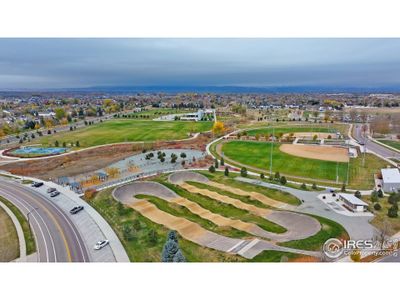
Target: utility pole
point(272, 146)
point(28, 214)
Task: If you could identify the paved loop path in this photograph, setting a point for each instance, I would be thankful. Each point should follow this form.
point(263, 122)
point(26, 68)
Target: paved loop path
point(188, 229)
point(298, 226)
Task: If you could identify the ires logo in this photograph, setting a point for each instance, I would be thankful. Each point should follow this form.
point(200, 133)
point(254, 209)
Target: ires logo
point(335, 248)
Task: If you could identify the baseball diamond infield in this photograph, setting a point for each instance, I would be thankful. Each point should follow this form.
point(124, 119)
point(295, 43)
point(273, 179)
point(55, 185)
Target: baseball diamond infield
point(192, 231)
point(329, 153)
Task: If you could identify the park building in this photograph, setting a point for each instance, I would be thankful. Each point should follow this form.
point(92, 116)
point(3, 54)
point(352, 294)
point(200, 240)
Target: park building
point(353, 203)
point(196, 116)
point(390, 180)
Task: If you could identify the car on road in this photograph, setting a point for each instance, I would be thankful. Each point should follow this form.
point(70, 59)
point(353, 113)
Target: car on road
point(50, 190)
point(75, 210)
point(54, 194)
point(37, 184)
point(101, 244)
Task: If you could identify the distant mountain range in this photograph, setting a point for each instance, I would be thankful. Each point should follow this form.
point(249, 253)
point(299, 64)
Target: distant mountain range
point(217, 89)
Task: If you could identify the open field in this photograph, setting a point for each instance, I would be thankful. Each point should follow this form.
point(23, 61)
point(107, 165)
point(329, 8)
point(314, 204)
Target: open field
point(9, 246)
point(117, 131)
point(257, 154)
point(28, 234)
point(325, 153)
point(394, 144)
point(285, 130)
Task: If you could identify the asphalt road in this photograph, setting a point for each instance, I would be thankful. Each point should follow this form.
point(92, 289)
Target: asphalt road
point(372, 146)
point(57, 238)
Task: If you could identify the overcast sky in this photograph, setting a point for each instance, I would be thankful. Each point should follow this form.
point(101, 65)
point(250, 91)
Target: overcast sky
point(64, 63)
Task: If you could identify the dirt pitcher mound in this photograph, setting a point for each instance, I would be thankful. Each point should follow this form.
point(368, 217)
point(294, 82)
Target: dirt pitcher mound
point(316, 152)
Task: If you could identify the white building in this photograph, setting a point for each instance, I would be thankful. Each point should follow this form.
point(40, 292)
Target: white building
point(353, 203)
point(390, 180)
point(197, 116)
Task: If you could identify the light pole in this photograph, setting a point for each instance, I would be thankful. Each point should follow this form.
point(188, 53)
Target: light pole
point(28, 214)
point(272, 146)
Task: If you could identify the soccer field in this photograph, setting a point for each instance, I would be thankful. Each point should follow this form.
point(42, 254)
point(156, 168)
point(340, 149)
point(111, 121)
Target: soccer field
point(116, 131)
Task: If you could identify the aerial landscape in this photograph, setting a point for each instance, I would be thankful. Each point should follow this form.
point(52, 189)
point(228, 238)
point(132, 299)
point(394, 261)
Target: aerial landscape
point(180, 150)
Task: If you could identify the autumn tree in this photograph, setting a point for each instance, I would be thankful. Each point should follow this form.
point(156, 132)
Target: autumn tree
point(218, 128)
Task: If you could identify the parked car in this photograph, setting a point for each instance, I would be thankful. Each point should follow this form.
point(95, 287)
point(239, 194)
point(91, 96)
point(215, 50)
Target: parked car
point(101, 244)
point(50, 190)
point(76, 209)
point(54, 194)
point(37, 184)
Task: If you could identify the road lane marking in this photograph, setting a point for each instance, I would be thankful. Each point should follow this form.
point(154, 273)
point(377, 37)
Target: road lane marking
point(55, 222)
point(37, 223)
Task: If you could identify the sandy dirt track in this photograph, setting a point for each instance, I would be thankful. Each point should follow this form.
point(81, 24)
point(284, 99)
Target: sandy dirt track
point(190, 230)
point(328, 153)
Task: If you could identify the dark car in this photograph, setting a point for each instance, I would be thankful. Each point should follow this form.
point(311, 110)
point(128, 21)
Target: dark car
point(37, 184)
point(54, 194)
point(50, 190)
point(75, 210)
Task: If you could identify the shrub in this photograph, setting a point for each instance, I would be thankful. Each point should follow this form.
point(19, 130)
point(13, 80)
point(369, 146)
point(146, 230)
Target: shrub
point(216, 163)
point(283, 180)
point(277, 176)
point(355, 255)
point(392, 212)
point(394, 198)
point(262, 176)
point(243, 172)
point(377, 206)
point(211, 169)
point(152, 237)
point(380, 193)
point(222, 161)
point(89, 194)
point(226, 171)
point(358, 194)
point(303, 186)
point(374, 196)
point(314, 186)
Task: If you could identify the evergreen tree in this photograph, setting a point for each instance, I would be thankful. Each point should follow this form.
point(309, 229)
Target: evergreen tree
point(243, 172)
point(169, 251)
point(283, 180)
point(172, 236)
point(222, 161)
point(358, 194)
point(211, 169)
point(380, 193)
point(226, 171)
point(178, 257)
point(216, 163)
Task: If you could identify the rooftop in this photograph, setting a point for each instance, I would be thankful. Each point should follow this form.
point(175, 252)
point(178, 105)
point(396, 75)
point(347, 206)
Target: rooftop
point(391, 175)
point(353, 199)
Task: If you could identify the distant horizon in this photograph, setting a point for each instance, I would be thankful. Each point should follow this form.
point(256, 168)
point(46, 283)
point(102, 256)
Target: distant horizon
point(242, 63)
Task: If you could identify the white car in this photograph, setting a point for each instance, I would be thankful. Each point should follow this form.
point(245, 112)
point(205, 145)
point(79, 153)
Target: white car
point(101, 244)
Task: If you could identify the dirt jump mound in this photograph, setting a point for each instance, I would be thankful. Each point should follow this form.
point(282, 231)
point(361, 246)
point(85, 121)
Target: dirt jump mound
point(181, 177)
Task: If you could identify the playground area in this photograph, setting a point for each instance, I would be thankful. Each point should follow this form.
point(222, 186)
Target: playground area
point(31, 151)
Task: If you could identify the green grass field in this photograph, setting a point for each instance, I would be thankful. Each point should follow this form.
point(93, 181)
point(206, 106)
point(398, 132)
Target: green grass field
point(257, 154)
point(277, 130)
point(9, 247)
point(28, 234)
point(116, 131)
point(394, 144)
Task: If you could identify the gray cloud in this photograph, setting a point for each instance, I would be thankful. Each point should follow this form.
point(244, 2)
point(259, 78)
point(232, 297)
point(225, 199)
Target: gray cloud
point(55, 63)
